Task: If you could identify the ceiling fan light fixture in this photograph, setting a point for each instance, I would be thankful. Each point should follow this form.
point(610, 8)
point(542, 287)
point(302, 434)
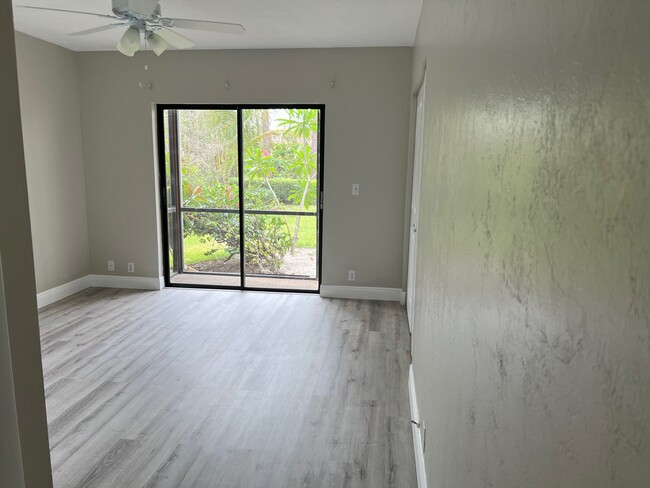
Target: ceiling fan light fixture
point(130, 42)
point(143, 17)
point(157, 43)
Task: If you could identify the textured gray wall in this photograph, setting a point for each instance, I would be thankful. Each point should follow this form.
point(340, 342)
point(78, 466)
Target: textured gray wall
point(51, 119)
point(532, 331)
point(366, 142)
point(19, 320)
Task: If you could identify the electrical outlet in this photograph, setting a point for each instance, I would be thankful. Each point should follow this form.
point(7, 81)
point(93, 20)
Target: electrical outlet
point(352, 275)
point(111, 265)
point(355, 188)
point(130, 267)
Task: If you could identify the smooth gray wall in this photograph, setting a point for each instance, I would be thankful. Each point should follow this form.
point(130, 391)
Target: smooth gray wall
point(49, 104)
point(367, 118)
point(531, 344)
point(19, 319)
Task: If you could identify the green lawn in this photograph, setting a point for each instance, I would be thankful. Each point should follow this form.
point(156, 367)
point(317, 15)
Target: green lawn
point(194, 247)
point(307, 232)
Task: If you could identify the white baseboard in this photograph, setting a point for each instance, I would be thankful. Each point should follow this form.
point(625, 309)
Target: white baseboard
point(420, 468)
point(361, 293)
point(60, 292)
point(133, 282)
point(402, 298)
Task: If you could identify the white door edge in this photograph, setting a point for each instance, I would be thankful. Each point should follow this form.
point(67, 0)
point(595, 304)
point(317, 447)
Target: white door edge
point(415, 203)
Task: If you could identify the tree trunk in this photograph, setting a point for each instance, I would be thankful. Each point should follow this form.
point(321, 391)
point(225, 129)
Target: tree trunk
point(296, 228)
point(275, 197)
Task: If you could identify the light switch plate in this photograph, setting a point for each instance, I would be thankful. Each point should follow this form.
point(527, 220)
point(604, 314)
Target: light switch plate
point(355, 188)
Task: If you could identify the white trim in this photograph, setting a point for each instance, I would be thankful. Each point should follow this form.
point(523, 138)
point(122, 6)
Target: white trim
point(420, 467)
point(133, 282)
point(402, 299)
point(414, 217)
point(60, 292)
point(361, 292)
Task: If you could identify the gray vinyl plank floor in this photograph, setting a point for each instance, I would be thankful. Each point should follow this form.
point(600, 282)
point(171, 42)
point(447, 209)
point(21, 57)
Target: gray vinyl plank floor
point(205, 388)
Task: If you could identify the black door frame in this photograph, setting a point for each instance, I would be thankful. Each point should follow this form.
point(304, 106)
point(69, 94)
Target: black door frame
point(162, 187)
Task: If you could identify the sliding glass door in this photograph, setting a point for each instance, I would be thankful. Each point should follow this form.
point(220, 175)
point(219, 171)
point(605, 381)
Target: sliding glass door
point(242, 192)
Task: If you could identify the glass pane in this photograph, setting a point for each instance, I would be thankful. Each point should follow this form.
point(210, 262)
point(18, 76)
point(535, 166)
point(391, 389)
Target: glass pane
point(211, 243)
point(281, 245)
point(267, 239)
point(280, 158)
point(208, 158)
point(301, 260)
point(298, 269)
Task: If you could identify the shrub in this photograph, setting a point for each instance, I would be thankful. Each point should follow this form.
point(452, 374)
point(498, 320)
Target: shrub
point(266, 237)
point(283, 188)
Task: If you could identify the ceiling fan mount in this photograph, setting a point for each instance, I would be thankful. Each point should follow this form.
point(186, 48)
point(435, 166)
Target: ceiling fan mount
point(130, 9)
point(144, 21)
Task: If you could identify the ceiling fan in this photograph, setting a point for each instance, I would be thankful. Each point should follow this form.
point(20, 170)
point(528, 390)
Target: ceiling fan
point(143, 20)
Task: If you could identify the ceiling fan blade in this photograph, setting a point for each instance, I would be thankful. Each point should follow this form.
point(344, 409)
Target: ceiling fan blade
point(69, 11)
point(224, 27)
point(174, 39)
point(96, 29)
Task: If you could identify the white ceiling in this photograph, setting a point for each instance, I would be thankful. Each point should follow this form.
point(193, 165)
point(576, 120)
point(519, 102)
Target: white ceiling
point(268, 23)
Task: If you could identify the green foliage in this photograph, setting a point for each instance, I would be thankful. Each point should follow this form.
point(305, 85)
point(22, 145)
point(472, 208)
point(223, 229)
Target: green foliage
point(208, 143)
point(266, 241)
point(283, 155)
point(199, 248)
point(283, 188)
point(266, 237)
point(258, 164)
point(305, 197)
point(301, 123)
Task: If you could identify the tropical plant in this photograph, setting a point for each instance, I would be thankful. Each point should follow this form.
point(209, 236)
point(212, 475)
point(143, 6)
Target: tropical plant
point(302, 124)
point(260, 165)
